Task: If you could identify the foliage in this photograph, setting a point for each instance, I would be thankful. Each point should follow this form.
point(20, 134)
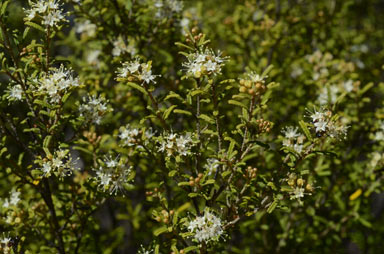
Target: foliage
point(161, 126)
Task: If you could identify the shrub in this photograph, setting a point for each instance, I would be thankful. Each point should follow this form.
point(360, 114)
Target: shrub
point(161, 126)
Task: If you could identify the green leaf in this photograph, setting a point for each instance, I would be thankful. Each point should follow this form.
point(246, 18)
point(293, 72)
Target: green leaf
point(183, 183)
point(160, 230)
point(184, 46)
point(193, 194)
point(196, 92)
point(190, 248)
point(304, 127)
point(366, 88)
point(26, 32)
point(272, 206)
point(237, 103)
point(180, 111)
point(34, 25)
point(210, 181)
point(137, 87)
point(3, 7)
point(207, 118)
point(172, 173)
point(173, 95)
point(266, 71)
point(168, 111)
point(47, 141)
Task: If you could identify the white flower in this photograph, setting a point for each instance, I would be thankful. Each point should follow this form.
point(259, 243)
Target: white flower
point(93, 108)
point(348, 85)
point(14, 198)
point(87, 28)
point(297, 193)
point(256, 78)
point(298, 148)
point(206, 228)
point(290, 132)
point(92, 57)
point(296, 72)
point(379, 136)
point(320, 125)
point(146, 74)
point(15, 93)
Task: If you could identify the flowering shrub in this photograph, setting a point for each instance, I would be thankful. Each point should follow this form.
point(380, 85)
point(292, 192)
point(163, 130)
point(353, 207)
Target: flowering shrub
point(167, 126)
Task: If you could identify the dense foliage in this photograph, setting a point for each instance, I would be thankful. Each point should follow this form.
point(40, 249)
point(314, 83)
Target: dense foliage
point(166, 126)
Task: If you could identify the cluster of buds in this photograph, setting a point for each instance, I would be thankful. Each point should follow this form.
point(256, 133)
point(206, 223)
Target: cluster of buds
point(15, 217)
point(299, 187)
point(152, 193)
point(26, 51)
point(253, 84)
point(263, 125)
point(250, 172)
point(165, 216)
point(92, 137)
point(195, 181)
point(194, 36)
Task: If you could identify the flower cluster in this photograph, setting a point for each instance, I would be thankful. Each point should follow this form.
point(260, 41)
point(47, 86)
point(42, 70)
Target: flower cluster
point(13, 200)
point(325, 124)
point(174, 144)
point(5, 244)
point(93, 108)
point(86, 28)
point(293, 139)
point(212, 165)
point(15, 93)
point(206, 228)
point(56, 83)
point(379, 134)
point(59, 164)
point(135, 71)
point(49, 11)
point(253, 84)
point(120, 47)
point(129, 136)
point(112, 174)
point(143, 250)
point(298, 188)
point(166, 8)
point(328, 95)
point(204, 63)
